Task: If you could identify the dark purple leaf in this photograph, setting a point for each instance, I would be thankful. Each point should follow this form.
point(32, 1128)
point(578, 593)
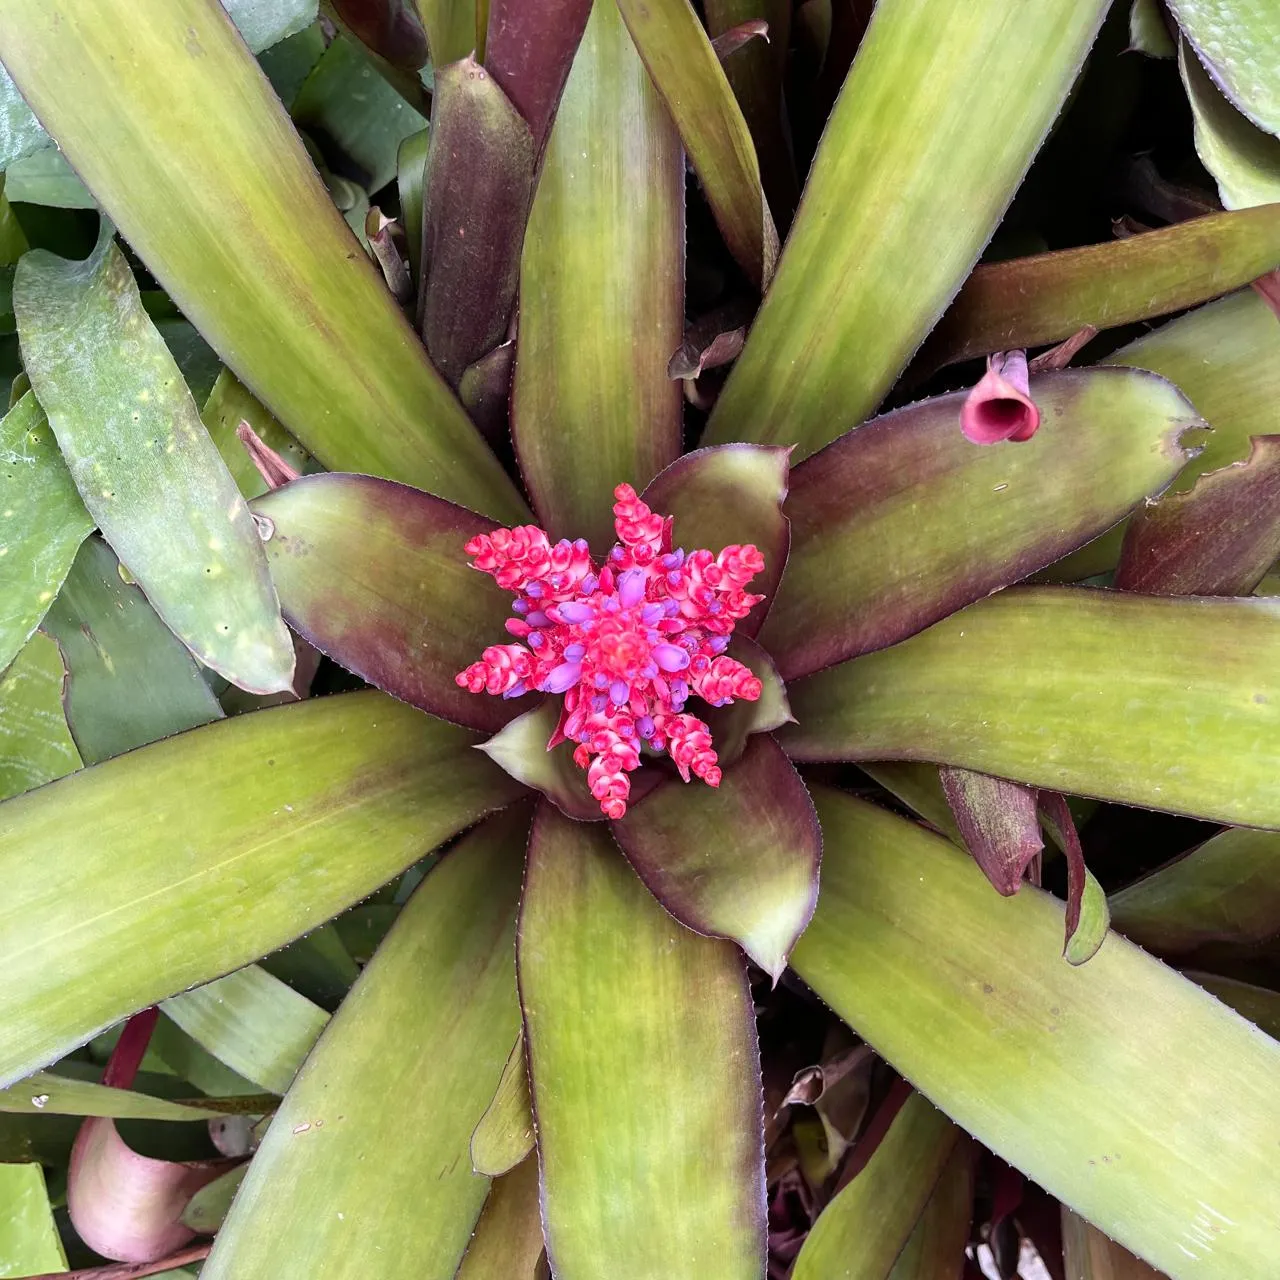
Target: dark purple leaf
point(391, 28)
point(730, 41)
point(528, 51)
point(477, 189)
point(997, 820)
point(740, 861)
point(903, 521)
point(374, 575)
point(485, 391)
point(1218, 538)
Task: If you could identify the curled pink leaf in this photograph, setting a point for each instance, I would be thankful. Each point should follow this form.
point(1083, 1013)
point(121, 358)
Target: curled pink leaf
point(1000, 407)
point(126, 1206)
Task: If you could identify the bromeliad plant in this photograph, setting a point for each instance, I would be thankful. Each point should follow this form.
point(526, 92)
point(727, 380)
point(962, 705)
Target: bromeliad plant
point(678, 681)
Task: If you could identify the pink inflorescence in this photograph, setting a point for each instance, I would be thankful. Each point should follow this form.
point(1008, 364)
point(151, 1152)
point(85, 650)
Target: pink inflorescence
point(626, 643)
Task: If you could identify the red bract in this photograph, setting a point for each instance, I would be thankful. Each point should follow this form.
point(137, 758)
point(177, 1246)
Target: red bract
point(626, 642)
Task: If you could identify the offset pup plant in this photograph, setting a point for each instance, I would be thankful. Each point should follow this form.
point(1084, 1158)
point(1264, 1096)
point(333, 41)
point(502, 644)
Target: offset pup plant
point(553, 712)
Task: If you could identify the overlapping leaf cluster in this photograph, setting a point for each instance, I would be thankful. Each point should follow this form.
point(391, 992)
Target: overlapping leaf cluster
point(296, 300)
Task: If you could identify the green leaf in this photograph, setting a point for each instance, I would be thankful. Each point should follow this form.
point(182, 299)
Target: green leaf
point(1165, 702)
point(301, 810)
point(261, 23)
point(20, 131)
point(1025, 302)
point(1089, 1255)
point(732, 726)
point(686, 71)
point(47, 1093)
point(428, 1024)
point(504, 1135)
point(601, 292)
point(507, 1244)
point(450, 27)
point(46, 178)
point(755, 72)
point(1224, 890)
point(477, 188)
point(520, 748)
point(230, 403)
point(733, 494)
point(42, 522)
point(226, 210)
point(374, 574)
point(411, 166)
point(1090, 931)
point(13, 243)
point(35, 745)
point(251, 1022)
point(1258, 1004)
point(903, 208)
point(1147, 31)
point(737, 861)
point(1243, 159)
point(938, 1241)
point(288, 64)
point(645, 1080)
point(1079, 1077)
point(29, 1240)
point(145, 466)
point(1239, 43)
point(317, 965)
point(355, 114)
point(208, 1208)
point(130, 681)
point(177, 1051)
point(962, 521)
point(863, 1230)
point(919, 787)
point(1225, 358)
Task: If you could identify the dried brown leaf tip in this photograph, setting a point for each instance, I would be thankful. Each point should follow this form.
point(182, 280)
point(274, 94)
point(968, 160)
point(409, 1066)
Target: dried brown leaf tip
point(271, 466)
point(1000, 407)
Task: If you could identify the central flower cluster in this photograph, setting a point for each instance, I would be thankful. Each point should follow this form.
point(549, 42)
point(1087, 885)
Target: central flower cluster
point(627, 642)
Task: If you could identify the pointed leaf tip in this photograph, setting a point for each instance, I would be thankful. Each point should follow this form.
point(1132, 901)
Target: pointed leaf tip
point(997, 820)
point(738, 862)
point(145, 467)
point(643, 1068)
point(1087, 918)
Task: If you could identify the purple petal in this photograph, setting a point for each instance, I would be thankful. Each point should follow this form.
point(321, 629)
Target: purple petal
point(575, 612)
point(619, 692)
point(670, 657)
point(563, 677)
point(631, 588)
